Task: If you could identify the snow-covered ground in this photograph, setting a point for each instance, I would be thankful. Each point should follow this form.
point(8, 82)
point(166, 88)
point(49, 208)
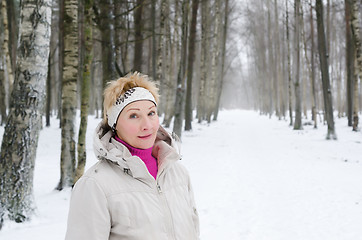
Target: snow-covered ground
point(254, 179)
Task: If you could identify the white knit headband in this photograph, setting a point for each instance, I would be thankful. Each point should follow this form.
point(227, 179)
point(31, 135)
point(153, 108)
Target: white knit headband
point(130, 96)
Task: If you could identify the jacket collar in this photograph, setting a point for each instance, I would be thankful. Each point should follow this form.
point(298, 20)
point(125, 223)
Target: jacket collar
point(165, 149)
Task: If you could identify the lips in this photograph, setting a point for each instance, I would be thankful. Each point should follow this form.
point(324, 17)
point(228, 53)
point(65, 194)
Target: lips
point(145, 136)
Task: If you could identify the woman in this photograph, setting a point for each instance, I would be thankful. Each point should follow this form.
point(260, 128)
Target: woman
point(137, 190)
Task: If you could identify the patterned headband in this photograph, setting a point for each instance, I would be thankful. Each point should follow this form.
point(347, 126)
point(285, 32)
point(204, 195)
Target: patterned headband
point(130, 96)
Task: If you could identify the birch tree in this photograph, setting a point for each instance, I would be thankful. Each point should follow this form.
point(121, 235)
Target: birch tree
point(289, 66)
point(19, 144)
point(190, 62)
point(138, 47)
point(5, 45)
point(298, 100)
point(88, 36)
point(180, 91)
point(358, 66)
point(69, 94)
point(350, 58)
point(327, 91)
point(205, 43)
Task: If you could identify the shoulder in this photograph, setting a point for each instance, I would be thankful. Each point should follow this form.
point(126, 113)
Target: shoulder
point(104, 174)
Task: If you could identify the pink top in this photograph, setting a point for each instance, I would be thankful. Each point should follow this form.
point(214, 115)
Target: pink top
point(144, 154)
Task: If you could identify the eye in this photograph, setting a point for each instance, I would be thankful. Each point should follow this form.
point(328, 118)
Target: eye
point(133, 115)
point(152, 113)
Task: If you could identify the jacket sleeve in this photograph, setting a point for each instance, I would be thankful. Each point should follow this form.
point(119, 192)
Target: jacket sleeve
point(195, 216)
point(88, 216)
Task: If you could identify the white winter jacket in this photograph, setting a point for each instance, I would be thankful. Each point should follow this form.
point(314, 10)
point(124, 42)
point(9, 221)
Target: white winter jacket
point(117, 198)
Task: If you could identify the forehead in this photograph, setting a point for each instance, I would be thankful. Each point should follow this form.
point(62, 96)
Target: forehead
point(142, 104)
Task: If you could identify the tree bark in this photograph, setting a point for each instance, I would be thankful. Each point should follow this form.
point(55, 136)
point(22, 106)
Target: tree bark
point(69, 94)
point(314, 98)
point(138, 48)
point(358, 64)
point(223, 56)
point(5, 46)
point(13, 13)
point(190, 68)
point(215, 57)
point(205, 44)
point(323, 57)
point(88, 36)
point(289, 68)
point(180, 91)
point(20, 140)
point(106, 25)
point(3, 114)
point(298, 100)
point(350, 58)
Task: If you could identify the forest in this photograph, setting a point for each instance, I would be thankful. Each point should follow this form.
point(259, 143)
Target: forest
point(295, 59)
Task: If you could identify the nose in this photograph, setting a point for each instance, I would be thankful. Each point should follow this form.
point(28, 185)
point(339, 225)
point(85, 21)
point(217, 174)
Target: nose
point(146, 123)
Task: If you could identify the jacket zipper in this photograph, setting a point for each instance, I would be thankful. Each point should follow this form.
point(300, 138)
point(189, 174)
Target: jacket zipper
point(166, 207)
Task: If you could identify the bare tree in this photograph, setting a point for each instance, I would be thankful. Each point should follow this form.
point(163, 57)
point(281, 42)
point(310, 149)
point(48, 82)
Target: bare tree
point(358, 68)
point(190, 62)
point(180, 91)
point(19, 144)
point(323, 57)
point(69, 94)
point(298, 100)
point(350, 58)
point(5, 45)
point(88, 36)
point(138, 47)
point(205, 43)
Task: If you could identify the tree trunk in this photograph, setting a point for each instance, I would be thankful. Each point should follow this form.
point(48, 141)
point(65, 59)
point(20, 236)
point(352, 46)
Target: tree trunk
point(312, 65)
point(277, 62)
point(323, 57)
point(138, 48)
point(180, 91)
point(170, 83)
point(205, 43)
point(161, 52)
point(2, 92)
point(289, 68)
point(223, 54)
point(5, 46)
point(21, 134)
point(69, 94)
point(298, 100)
point(190, 66)
point(48, 95)
point(215, 56)
point(61, 58)
point(271, 58)
point(13, 13)
point(350, 58)
point(106, 25)
point(81, 147)
point(154, 49)
point(358, 68)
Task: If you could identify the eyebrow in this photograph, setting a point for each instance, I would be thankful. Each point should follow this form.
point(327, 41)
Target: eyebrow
point(138, 109)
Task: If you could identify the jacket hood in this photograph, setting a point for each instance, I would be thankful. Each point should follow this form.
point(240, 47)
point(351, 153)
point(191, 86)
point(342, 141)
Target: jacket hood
point(166, 146)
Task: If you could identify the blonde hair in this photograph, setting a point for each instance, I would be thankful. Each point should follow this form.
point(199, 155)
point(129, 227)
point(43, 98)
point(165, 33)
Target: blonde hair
point(118, 87)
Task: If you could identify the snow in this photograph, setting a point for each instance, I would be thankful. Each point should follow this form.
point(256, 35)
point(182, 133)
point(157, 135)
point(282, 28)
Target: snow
point(254, 178)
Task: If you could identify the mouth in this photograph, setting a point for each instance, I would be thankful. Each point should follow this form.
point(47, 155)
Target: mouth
point(145, 136)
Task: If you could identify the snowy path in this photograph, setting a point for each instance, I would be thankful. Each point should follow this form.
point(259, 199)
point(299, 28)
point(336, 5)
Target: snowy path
point(254, 179)
point(257, 179)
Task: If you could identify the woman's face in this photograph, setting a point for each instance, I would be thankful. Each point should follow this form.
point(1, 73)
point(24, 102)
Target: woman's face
point(138, 124)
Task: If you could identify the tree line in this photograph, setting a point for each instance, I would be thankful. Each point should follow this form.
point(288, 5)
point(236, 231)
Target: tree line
point(304, 56)
point(57, 56)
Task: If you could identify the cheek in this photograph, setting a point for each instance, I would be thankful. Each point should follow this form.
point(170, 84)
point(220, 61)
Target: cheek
point(156, 123)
